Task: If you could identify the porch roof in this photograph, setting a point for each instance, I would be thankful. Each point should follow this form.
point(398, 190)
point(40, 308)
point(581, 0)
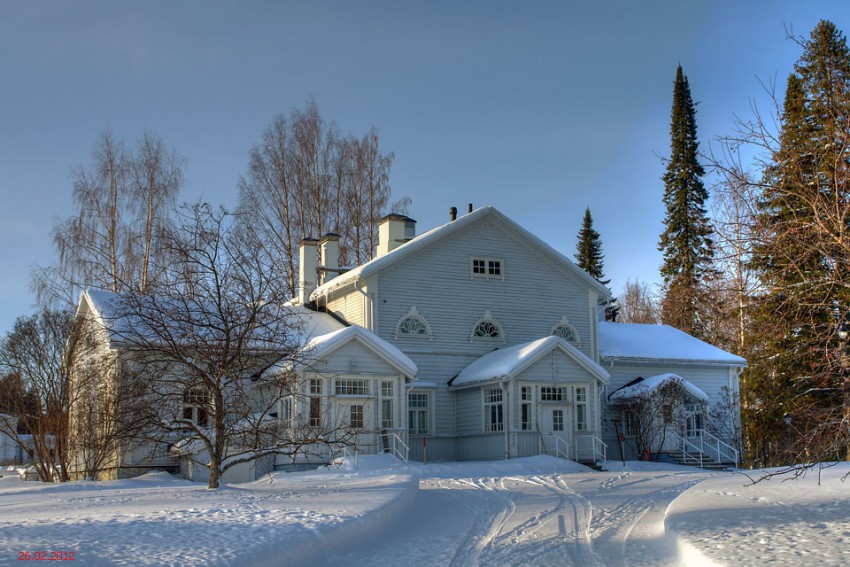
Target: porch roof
point(509, 362)
point(648, 385)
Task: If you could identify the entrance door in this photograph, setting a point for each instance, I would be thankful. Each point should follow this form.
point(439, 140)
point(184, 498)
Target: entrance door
point(556, 428)
point(693, 420)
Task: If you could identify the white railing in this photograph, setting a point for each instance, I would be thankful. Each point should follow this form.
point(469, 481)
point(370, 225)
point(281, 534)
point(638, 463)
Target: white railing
point(688, 456)
point(718, 450)
point(591, 448)
point(706, 444)
point(559, 446)
point(397, 446)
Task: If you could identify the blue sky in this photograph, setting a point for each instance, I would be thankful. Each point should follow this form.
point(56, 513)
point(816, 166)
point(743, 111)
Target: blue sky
point(538, 108)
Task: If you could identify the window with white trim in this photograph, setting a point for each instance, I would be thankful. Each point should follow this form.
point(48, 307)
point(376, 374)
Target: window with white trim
point(412, 325)
point(387, 417)
point(315, 401)
point(526, 419)
point(487, 268)
point(355, 416)
point(632, 423)
point(287, 413)
point(197, 403)
point(581, 408)
point(487, 328)
point(419, 413)
point(566, 331)
point(494, 412)
point(558, 420)
point(552, 394)
point(352, 387)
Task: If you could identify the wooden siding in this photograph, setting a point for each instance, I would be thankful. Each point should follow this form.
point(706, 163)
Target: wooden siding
point(354, 357)
point(481, 447)
point(350, 307)
point(438, 282)
point(439, 448)
point(710, 379)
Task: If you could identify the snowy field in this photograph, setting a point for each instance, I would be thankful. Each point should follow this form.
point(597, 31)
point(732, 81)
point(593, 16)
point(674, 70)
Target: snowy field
point(535, 511)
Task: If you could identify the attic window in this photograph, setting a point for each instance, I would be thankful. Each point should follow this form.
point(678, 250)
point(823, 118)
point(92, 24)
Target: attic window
point(487, 268)
point(487, 328)
point(566, 331)
point(412, 324)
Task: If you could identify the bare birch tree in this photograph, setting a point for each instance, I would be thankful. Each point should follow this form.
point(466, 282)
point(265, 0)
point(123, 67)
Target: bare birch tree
point(123, 199)
point(306, 179)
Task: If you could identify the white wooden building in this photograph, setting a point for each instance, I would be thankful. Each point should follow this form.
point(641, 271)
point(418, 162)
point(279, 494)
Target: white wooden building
point(474, 340)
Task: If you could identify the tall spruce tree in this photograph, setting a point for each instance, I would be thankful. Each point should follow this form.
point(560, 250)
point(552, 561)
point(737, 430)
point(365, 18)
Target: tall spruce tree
point(802, 259)
point(589, 255)
point(686, 241)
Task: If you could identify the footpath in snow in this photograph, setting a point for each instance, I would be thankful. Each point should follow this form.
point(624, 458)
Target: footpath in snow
point(535, 511)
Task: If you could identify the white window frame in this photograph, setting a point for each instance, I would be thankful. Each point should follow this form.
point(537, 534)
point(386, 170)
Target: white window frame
point(526, 403)
point(314, 402)
point(426, 411)
point(553, 394)
point(582, 407)
point(352, 387)
point(490, 268)
point(488, 318)
point(198, 402)
point(413, 314)
point(361, 419)
point(388, 419)
point(565, 324)
point(493, 400)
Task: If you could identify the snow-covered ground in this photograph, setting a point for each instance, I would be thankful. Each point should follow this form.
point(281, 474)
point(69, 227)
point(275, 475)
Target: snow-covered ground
point(535, 511)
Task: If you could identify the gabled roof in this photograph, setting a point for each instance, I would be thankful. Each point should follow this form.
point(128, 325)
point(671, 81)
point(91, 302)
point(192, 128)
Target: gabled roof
point(649, 385)
point(658, 343)
point(322, 346)
point(426, 239)
point(509, 362)
point(118, 320)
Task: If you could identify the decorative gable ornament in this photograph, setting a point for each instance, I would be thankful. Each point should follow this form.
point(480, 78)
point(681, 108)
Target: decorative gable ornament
point(566, 331)
point(412, 324)
point(487, 328)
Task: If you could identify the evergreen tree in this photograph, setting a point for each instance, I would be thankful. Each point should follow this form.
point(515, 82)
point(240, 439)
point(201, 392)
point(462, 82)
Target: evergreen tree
point(589, 255)
point(802, 257)
point(686, 241)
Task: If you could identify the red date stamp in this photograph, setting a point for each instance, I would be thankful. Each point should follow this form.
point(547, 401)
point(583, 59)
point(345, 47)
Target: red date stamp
point(46, 556)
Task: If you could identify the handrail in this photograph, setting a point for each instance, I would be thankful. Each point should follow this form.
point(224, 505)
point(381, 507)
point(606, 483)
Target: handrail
point(402, 452)
point(684, 443)
point(730, 452)
point(564, 454)
point(598, 449)
point(712, 446)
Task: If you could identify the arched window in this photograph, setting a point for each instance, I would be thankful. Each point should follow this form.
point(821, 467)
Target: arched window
point(412, 324)
point(487, 328)
point(566, 331)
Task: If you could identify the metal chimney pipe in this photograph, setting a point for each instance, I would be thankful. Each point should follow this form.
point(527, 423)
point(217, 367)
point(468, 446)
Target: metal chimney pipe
point(470, 208)
point(453, 213)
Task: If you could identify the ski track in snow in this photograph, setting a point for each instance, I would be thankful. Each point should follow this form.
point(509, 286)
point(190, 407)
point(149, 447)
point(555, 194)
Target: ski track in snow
point(526, 512)
point(539, 520)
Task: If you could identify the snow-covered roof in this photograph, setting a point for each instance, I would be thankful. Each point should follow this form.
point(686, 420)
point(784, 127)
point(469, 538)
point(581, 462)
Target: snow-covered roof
point(648, 385)
point(427, 238)
point(632, 341)
point(123, 323)
point(509, 362)
point(321, 346)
